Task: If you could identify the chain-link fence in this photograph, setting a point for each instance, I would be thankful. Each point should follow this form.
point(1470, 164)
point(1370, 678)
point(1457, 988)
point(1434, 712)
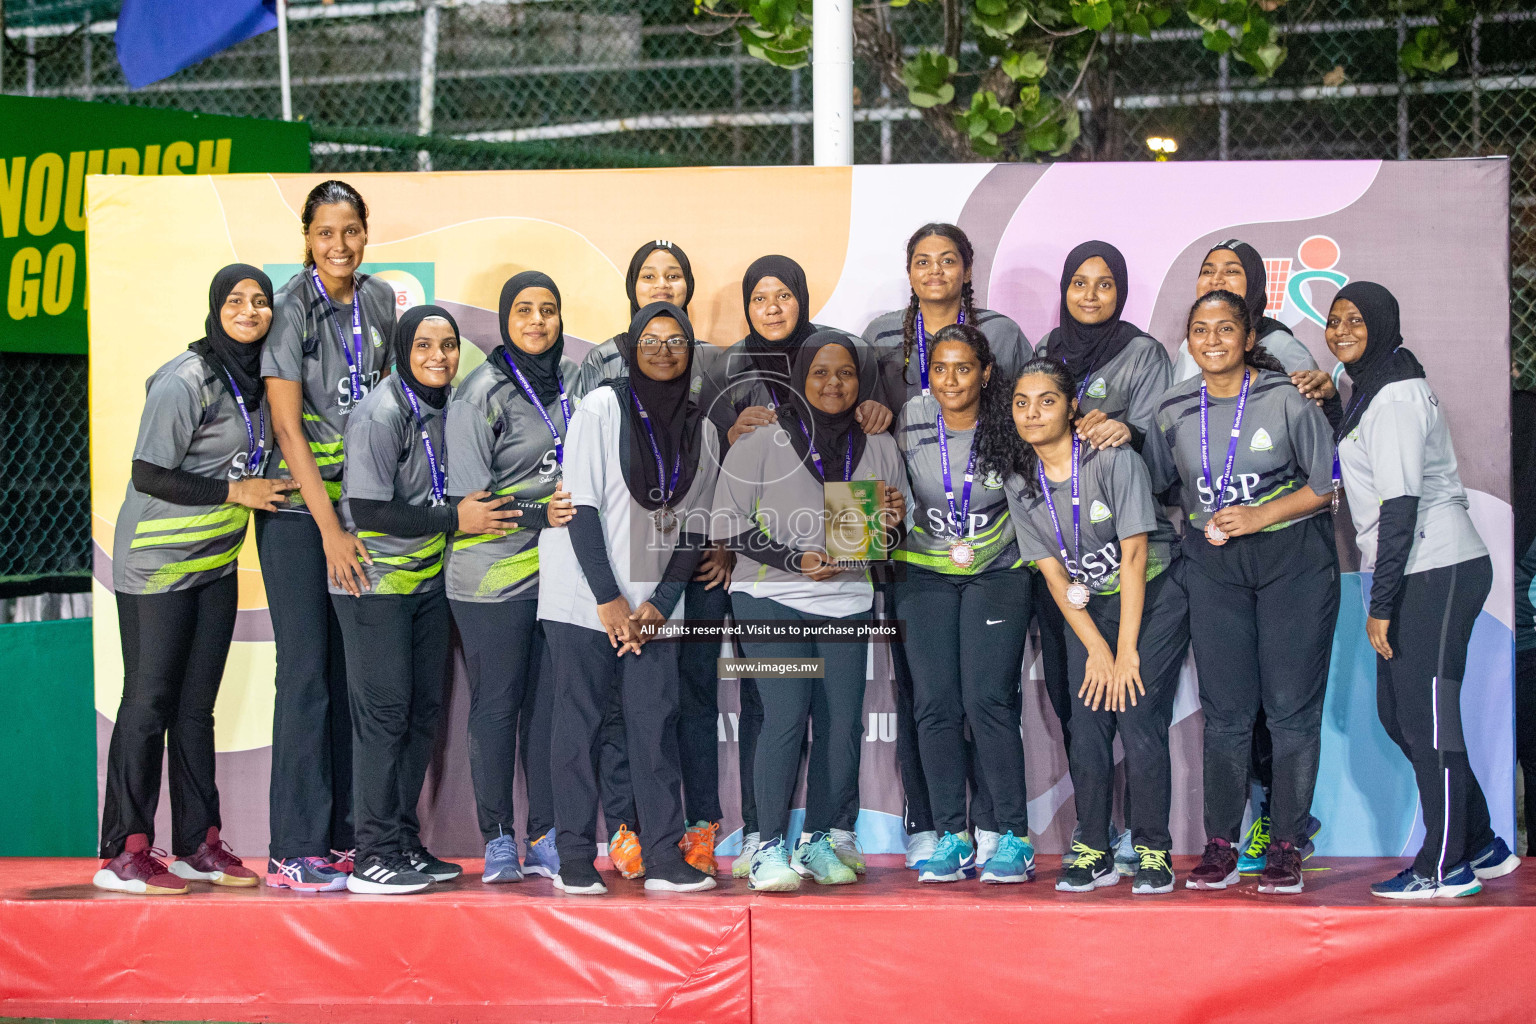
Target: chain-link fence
point(470, 84)
point(45, 487)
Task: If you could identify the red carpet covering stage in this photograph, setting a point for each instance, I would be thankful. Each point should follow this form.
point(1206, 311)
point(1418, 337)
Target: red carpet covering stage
point(886, 950)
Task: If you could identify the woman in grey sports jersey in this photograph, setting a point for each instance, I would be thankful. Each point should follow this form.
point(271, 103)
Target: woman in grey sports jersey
point(197, 474)
point(1431, 576)
point(1253, 464)
point(506, 428)
point(394, 498)
point(329, 346)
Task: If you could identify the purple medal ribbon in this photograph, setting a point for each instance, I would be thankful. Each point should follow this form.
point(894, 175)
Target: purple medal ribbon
point(957, 516)
point(255, 451)
point(816, 456)
point(1219, 487)
point(677, 464)
point(354, 362)
point(1050, 505)
point(922, 346)
point(439, 477)
point(565, 406)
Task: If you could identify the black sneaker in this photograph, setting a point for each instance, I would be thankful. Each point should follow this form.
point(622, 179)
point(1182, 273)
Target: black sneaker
point(1091, 869)
point(439, 870)
point(676, 876)
point(580, 878)
point(1154, 872)
point(388, 874)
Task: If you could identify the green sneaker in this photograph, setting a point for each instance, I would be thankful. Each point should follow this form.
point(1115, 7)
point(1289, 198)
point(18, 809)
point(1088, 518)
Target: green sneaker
point(770, 870)
point(741, 867)
point(817, 859)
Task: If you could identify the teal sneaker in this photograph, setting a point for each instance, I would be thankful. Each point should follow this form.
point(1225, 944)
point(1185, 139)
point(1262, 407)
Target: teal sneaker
point(817, 859)
point(770, 871)
point(954, 859)
point(1252, 857)
point(1014, 861)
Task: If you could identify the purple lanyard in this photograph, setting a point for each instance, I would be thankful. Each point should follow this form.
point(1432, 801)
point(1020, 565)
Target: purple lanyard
point(922, 347)
point(816, 456)
point(354, 362)
point(439, 480)
point(565, 406)
point(1338, 476)
point(1219, 487)
point(677, 464)
point(957, 516)
point(255, 451)
point(1050, 505)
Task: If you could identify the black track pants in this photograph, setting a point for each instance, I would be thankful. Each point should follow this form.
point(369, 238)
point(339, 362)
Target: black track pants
point(310, 794)
point(1053, 655)
point(965, 646)
point(503, 652)
point(174, 647)
point(909, 758)
point(698, 715)
point(397, 656)
point(1262, 610)
point(1143, 728)
point(1525, 735)
point(1418, 696)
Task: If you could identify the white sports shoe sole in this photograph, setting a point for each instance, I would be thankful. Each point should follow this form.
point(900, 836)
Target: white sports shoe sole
point(358, 884)
point(662, 885)
point(595, 889)
point(105, 879)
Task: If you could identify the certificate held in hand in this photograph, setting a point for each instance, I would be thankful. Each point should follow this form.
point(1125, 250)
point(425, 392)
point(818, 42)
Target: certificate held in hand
point(855, 535)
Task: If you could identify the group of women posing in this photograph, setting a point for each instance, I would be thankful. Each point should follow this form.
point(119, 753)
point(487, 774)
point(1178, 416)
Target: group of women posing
point(558, 512)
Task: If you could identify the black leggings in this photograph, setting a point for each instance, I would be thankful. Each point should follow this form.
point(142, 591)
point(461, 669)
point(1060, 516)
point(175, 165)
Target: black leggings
point(834, 706)
point(1053, 655)
point(174, 647)
point(1418, 696)
point(310, 794)
point(397, 654)
point(1525, 735)
point(1143, 728)
point(503, 652)
point(965, 646)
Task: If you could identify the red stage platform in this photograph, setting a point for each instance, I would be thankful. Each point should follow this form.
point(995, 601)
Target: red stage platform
point(885, 950)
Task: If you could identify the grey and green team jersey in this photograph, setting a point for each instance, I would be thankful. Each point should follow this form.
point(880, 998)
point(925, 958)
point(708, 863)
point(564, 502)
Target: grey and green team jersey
point(765, 485)
point(929, 531)
point(1128, 387)
point(501, 444)
point(386, 461)
point(302, 347)
point(1286, 444)
point(1115, 498)
point(602, 362)
point(900, 378)
point(728, 380)
point(1402, 447)
point(1281, 344)
point(190, 423)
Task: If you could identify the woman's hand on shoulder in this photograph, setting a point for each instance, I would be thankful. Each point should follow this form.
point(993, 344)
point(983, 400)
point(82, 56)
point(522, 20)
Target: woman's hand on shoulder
point(748, 420)
point(873, 417)
point(1314, 384)
point(1101, 432)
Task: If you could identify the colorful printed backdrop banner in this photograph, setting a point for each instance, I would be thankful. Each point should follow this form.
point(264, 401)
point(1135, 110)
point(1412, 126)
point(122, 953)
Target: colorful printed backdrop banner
point(1433, 232)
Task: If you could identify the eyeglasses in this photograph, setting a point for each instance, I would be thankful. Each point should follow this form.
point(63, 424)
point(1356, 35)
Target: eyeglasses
point(676, 344)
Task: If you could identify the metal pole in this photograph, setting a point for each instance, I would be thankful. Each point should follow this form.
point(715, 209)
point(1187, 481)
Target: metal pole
point(1223, 82)
point(832, 82)
point(738, 140)
point(89, 92)
point(1402, 93)
point(428, 80)
point(285, 83)
point(1477, 93)
point(31, 66)
point(794, 104)
point(885, 125)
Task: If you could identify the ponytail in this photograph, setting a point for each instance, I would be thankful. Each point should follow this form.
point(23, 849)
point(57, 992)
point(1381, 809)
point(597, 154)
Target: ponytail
point(967, 306)
point(1024, 461)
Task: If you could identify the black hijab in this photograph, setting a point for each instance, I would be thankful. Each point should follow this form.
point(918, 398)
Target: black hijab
point(542, 370)
point(770, 356)
point(674, 417)
point(638, 261)
point(1385, 360)
point(834, 435)
point(1085, 348)
point(1256, 297)
point(405, 336)
point(241, 361)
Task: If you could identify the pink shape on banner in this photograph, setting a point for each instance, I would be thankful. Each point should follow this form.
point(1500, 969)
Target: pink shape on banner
point(1152, 212)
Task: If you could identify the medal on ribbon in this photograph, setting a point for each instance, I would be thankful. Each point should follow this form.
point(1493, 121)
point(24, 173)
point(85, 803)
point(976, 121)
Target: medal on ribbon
point(1213, 533)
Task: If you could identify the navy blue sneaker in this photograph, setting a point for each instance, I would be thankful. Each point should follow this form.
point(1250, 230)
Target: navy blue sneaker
point(541, 858)
point(1408, 884)
point(501, 861)
point(1494, 860)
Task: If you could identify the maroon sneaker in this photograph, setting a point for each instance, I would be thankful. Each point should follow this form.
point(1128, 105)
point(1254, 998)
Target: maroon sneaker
point(215, 862)
point(1282, 870)
point(139, 870)
point(1217, 869)
point(343, 860)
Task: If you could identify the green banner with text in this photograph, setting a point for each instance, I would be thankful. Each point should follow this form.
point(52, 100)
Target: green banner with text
point(47, 149)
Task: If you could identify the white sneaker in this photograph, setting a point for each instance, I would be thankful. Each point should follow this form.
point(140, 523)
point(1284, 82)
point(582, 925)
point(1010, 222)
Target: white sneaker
point(741, 867)
point(920, 846)
point(846, 844)
point(986, 845)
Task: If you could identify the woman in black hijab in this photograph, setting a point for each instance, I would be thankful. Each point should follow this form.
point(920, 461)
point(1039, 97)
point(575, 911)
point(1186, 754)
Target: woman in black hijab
point(641, 470)
point(199, 458)
point(659, 271)
point(1432, 575)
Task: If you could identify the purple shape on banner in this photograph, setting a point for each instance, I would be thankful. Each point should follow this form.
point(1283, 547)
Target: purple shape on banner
point(157, 38)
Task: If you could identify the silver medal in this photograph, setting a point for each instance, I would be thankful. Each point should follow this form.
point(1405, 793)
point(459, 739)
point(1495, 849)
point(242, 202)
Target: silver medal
point(1077, 594)
point(665, 519)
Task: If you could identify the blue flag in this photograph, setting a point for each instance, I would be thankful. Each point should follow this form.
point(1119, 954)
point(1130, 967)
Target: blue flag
point(157, 38)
